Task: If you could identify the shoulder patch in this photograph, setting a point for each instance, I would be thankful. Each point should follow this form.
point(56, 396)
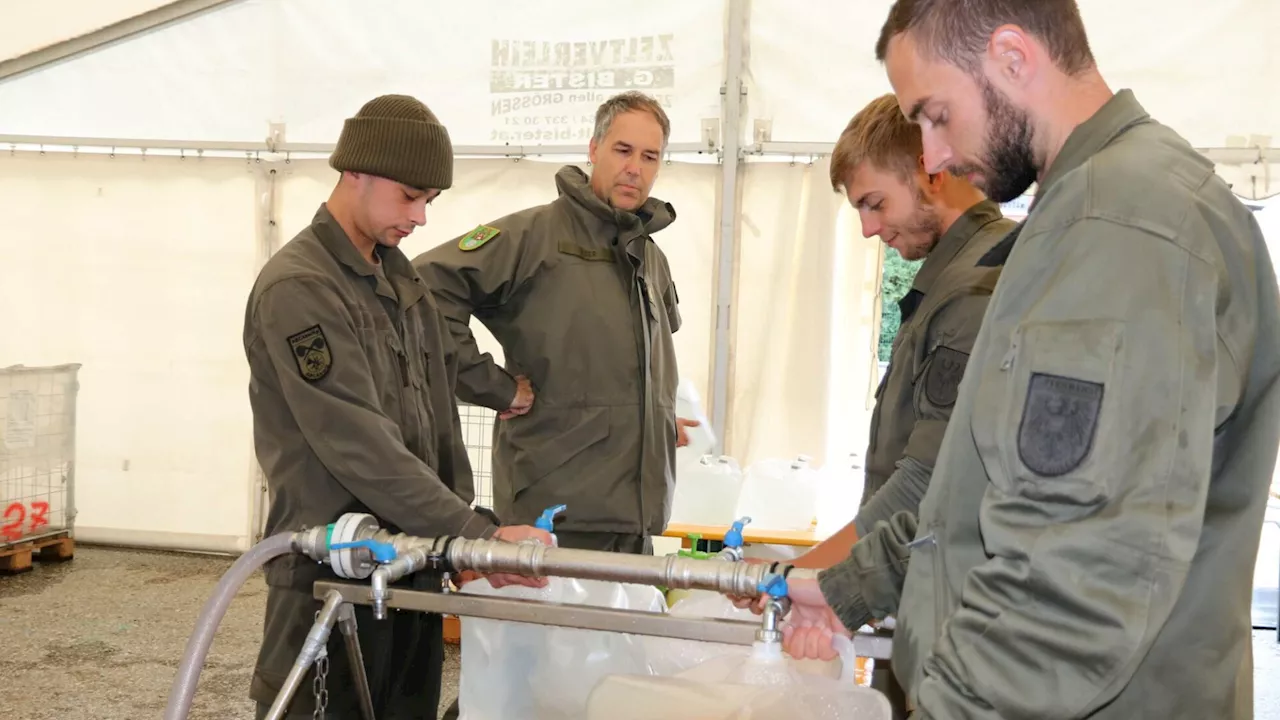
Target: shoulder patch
point(942, 382)
point(1059, 421)
point(481, 235)
point(311, 351)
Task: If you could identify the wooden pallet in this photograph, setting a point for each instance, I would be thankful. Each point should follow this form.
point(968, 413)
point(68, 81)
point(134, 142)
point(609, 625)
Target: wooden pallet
point(18, 557)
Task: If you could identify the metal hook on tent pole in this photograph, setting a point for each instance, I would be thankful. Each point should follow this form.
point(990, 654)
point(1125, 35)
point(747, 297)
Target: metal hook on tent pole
point(287, 159)
point(144, 154)
point(42, 150)
point(182, 154)
point(199, 153)
point(113, 152)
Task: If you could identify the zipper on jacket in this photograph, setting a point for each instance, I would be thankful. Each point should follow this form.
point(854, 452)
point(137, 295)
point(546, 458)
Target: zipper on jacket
point(646, 404)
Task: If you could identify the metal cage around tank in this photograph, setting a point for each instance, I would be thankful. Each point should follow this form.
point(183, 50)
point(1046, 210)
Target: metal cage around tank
point(37, 452)
point(477, 435)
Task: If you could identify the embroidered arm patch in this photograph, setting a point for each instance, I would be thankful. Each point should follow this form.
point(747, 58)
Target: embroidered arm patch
point(478, 237)
point(311, 351)
point(1059, 421)
point(946, 369)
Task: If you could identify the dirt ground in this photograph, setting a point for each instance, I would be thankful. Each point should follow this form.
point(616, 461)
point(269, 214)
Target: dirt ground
point(99, 637)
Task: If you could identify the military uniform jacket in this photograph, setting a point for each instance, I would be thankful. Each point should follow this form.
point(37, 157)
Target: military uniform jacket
point(1086, 546)
point(582, 301)
point(941, 315)
point(352, 379)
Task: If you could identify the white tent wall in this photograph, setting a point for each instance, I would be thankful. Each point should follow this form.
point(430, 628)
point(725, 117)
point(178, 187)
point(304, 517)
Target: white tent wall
point(797, 374)
point(1205, 69)
point(153, 259)
point(30, 26)
point(139, 270)
point(524, 80)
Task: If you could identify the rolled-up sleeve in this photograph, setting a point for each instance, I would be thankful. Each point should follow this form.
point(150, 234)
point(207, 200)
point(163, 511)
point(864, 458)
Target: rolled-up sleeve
point(1097, 435)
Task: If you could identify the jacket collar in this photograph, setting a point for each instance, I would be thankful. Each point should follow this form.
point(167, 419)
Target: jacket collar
point(983, 213)
point(574, 185)
point(1120, 113)
point(1113, 119)
point(953, 241)
point(407, 286)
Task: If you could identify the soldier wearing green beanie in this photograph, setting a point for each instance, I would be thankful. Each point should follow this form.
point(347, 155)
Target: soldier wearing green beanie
point(352, 392)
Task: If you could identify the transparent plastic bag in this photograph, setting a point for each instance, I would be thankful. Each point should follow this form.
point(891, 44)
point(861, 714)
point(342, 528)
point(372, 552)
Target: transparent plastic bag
point(670, 656)
point(760, 686)
point(521, 670)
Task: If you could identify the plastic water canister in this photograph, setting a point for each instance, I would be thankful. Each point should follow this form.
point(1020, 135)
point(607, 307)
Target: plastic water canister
point(707, 491)
point(780, 494)
point(839, 495)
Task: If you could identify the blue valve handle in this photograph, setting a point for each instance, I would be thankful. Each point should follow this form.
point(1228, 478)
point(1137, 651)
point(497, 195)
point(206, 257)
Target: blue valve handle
point(773, 585)
point(733, 537)
point(548, 518)
point(382, 552)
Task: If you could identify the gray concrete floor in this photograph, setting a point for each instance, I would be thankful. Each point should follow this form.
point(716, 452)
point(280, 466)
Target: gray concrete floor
point(99, 638)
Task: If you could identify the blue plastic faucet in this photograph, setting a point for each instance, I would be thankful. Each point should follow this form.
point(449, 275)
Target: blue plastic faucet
point(733, 537)
point(773, 585)
point(382, 552)
point(548, 519)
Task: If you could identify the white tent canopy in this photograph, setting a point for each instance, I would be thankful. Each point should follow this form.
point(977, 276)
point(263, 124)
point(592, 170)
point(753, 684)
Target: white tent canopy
point(153, 155)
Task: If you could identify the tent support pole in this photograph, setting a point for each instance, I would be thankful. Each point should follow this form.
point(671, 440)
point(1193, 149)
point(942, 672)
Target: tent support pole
point(732, 95)
point(102, 37)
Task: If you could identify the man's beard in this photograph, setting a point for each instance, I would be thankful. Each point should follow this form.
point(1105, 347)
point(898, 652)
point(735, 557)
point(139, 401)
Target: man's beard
point(923, 223)
point(1008, 165)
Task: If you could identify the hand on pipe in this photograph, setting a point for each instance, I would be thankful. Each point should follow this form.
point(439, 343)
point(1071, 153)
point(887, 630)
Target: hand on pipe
point(518, 533)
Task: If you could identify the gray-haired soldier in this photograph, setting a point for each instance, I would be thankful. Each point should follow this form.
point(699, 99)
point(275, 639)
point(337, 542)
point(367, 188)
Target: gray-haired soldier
point(581, 299)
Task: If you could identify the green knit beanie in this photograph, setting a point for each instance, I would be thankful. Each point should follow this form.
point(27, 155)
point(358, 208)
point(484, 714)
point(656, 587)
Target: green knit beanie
point(398, 138)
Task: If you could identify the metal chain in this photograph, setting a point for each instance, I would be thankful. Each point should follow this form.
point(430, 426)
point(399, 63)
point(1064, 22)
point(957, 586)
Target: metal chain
point(318, 684)
point(322, 694)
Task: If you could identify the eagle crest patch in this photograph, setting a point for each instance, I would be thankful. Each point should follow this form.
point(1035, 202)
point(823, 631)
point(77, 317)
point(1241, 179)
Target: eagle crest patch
point(1059, 422)
point(946, 369)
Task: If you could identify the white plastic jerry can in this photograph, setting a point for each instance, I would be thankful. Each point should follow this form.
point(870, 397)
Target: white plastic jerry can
point(780, 495)
point(707, 491)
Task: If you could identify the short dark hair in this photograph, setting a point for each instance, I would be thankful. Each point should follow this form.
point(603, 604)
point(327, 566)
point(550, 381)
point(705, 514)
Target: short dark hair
point(958, 31)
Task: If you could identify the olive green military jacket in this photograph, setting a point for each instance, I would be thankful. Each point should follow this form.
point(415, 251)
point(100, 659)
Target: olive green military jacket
point(941, 315)
point(352, 381)
point(581, 299)
point(1086, 546)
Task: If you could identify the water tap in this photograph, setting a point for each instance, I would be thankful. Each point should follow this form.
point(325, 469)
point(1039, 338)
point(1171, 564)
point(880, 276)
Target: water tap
point(733, 540)
point(548, 519)
point(775, 586)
